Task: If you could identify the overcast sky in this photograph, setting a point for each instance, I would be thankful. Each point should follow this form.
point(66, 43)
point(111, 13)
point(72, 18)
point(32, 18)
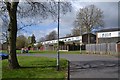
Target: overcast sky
point(109, 8)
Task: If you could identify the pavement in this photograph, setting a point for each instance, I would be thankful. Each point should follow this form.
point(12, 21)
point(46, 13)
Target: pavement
point(88, 65)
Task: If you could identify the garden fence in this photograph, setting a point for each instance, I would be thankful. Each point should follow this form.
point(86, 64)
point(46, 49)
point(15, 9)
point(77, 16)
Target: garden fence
point(103, 48)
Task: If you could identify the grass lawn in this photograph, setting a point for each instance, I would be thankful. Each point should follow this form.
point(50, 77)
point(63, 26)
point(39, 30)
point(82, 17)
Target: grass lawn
point(53, 52)
point(50, 52)
point(35, 67)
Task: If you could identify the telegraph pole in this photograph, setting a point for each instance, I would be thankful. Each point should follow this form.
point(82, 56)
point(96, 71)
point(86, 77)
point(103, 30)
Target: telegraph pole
point(58, 54)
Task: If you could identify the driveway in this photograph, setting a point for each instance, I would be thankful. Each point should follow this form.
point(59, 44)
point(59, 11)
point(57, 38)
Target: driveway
point(88, 65)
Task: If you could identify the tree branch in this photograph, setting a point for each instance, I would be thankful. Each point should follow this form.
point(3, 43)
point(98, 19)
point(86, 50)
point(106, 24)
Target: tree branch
point(8, 4)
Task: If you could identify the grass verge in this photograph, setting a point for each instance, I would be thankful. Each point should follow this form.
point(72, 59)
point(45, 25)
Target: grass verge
point(35, 67)
point(53, 52)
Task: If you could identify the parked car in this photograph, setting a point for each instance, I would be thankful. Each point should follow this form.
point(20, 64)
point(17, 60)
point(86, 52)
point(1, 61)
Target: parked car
point(3, 56)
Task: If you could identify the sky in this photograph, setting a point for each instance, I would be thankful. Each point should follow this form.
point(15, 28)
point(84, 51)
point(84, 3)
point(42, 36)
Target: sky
point(109, 8)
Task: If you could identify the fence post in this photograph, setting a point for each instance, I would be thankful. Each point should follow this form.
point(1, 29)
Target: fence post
point(95, 48)
point(68, 78)
point(116, 49)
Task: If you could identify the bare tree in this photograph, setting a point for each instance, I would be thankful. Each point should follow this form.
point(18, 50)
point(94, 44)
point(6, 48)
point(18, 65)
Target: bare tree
point(76, 31)
point(26, 9)
point(89, 18)
point(51, 36)
point(68, 35)
point(41, 39)
point(4, 27)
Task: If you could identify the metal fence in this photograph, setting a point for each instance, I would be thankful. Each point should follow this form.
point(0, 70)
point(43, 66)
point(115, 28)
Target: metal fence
point(103, 48)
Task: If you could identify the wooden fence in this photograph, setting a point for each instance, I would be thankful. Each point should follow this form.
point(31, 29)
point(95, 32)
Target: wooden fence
point(107, 48)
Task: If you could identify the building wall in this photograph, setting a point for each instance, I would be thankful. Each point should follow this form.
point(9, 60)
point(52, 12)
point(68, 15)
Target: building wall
point(108, 37)
point(3, 46)
point(69, 39)
point(109, 34)
point(85, 38)
point(108, 40)
point(118, 47)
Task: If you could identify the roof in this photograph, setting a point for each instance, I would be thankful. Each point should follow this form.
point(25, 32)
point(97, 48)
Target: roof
point(110, 29)
point(88, 33)
point(68, 37)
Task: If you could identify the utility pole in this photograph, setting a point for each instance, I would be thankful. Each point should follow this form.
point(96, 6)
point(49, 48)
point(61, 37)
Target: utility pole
point(58, 54)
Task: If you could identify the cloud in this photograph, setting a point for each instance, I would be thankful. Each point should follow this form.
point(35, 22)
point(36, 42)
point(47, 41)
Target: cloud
point(110, 10)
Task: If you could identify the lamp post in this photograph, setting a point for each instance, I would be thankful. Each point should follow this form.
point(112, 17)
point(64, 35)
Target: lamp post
point(58, 54)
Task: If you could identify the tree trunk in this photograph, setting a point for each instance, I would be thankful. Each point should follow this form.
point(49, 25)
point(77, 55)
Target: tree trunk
point(13, 62)
point(88, 38)
point(88, 35)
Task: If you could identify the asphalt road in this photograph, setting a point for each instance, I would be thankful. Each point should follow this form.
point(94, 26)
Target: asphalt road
point(88, 66)
point(75, 57)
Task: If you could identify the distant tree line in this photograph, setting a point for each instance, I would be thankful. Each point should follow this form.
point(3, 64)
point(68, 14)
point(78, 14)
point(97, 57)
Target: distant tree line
point(51, 36)
point(23, 41)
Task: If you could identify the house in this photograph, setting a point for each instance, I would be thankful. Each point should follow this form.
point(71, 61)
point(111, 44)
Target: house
point(70, 43)
point(108, 35)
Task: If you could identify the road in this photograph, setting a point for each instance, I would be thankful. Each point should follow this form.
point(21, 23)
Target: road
point(75, 57)
point(88, 66)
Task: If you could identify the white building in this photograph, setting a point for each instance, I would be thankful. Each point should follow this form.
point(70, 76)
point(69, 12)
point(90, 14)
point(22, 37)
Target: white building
point(108, 35)
point(65, 39)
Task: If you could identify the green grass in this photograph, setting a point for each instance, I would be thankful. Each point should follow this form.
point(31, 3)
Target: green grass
point(50, 52)
point(37, 51)
point(53, 52)
point(5, 51)
point(35, 67)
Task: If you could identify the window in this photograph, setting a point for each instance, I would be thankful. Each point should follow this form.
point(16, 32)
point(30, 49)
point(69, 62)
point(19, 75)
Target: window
point(103, 35)
point(69, 39)
point(109, 34)
point(119, 34)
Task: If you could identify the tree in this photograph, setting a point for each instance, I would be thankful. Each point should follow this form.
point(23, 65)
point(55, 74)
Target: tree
point(89, 18)
point(39, 45)
point(30, 9)
point(42, 39)
point(4, 27)
point(76, 31)
point(21, 42)
point(68, 35)
point(51, 36)
point(33, 39)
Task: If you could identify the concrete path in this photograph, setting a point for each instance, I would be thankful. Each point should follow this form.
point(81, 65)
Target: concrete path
point(88, 66)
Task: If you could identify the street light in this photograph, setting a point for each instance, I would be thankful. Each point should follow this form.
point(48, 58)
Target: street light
point(58, 55)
